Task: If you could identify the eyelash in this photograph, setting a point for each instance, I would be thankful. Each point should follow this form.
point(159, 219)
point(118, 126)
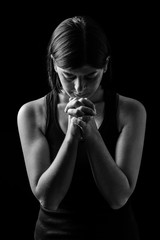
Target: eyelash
point(72, 78)
point(69, 78)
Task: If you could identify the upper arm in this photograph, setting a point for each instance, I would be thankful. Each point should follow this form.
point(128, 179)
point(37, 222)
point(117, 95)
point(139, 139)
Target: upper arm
point(34, 144)
point(131, 140)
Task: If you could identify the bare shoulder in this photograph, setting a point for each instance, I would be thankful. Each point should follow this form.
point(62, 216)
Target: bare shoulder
point(34, 112)
point(130, 110)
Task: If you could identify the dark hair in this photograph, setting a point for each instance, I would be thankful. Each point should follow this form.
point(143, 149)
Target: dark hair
point(76, 42)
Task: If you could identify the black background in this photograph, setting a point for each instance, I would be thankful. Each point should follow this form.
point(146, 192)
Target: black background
point(132, 30)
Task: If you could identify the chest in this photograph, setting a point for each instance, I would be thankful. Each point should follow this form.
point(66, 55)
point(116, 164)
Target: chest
point(63, 117)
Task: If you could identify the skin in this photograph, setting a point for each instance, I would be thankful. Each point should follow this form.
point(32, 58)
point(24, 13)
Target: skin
point(80, 114)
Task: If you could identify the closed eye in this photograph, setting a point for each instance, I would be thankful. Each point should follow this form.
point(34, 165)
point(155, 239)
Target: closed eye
point(69, 76)
point(91, 75)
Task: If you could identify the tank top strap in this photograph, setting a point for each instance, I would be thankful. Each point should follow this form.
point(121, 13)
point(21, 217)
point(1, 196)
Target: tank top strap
point(51, 101)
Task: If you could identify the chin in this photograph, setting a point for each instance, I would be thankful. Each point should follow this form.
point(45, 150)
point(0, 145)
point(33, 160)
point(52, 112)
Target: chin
point(88, 95)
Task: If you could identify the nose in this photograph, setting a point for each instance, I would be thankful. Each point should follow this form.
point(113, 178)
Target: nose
point(79, 85)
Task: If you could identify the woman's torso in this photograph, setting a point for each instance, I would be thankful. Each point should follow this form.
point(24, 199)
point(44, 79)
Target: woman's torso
point(83, 200)
point(83, 192)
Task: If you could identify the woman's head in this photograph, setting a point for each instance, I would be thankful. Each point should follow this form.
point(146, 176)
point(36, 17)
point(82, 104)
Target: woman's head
point(76, 42)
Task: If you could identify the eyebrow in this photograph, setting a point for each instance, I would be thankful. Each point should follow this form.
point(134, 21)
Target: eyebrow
point(90, 73)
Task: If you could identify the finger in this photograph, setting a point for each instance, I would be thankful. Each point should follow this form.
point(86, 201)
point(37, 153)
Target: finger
point(87, 103)
point(74, 103)
point(82, 126)
point(75, 112)
point(81, 111)
point(71, 98)
point(87, 110)
point(85, 119)
point(80, 123)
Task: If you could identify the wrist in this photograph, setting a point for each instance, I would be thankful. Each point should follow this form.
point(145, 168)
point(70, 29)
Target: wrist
point(93, 136)
point(73, 137)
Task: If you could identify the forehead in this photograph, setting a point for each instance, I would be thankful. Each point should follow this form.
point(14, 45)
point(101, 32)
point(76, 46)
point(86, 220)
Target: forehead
point(82, 70)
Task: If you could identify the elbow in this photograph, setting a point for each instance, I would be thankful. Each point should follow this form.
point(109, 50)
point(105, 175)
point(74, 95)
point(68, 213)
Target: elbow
point(118, 203)
point(38, 192)
point(48, 204)
point(47, 200)
point(119, 200)
point(45, 196)
point(42, 198)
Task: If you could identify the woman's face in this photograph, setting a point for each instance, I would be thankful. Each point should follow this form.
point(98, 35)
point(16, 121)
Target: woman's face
point(81, 82)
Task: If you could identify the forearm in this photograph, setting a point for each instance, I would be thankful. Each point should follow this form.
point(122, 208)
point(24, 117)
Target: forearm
point(111, 181)
point(55, 181)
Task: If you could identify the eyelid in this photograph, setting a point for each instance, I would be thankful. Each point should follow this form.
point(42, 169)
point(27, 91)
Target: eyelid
point(70, 75)
point(92, 74)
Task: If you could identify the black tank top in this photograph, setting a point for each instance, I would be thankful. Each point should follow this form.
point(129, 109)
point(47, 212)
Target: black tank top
point(84, 213)
point(83, 192)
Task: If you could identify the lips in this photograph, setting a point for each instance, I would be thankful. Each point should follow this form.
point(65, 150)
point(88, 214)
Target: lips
point(82, 95)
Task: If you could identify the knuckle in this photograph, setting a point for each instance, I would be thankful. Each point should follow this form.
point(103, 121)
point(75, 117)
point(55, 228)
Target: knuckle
point(81, 100)
point(78, 112)
point(78, 104)
point(80, 108)
point(69, 111)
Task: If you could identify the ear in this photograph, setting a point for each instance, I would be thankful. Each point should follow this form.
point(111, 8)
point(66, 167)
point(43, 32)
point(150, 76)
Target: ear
point(106, 64)
point(54, 63)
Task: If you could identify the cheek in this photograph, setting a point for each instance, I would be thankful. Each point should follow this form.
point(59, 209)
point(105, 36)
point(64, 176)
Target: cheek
point(67, 87)
point(64, 83)
point(95, 84)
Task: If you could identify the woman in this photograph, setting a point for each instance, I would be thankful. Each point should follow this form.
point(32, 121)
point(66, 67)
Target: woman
point(82, 142)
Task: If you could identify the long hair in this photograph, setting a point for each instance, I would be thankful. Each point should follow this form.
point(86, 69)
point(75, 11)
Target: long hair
point(76, 42)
